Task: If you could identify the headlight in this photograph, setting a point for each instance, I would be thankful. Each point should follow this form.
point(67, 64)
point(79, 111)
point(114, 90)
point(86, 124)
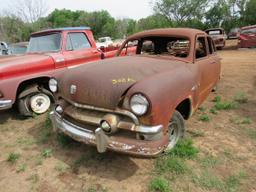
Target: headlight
point(53, 85)
point(139, 104)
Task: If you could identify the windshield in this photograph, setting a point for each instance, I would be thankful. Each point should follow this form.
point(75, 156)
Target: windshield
point(162, 46)
point(45, 43)
point(215, 32)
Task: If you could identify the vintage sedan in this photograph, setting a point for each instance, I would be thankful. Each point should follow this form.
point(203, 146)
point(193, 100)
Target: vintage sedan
point(138, 103)
point(219, 37)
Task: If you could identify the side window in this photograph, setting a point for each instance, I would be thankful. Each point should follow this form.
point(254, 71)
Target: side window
point(210, 45)
point(76, 41)
point(200, 48)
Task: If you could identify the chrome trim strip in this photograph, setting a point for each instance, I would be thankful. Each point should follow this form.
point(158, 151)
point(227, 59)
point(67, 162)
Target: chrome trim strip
point(5, 104)
point(117, 111)
point(149, 129)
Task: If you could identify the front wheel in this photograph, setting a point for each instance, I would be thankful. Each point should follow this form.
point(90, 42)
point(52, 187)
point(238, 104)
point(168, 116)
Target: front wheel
point(37, 103)
point(176, 129)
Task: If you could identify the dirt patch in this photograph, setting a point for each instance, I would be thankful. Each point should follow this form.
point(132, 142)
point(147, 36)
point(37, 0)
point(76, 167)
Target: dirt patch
point(229, 137)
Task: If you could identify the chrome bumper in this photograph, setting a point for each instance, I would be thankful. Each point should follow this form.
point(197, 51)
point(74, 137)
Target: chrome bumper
point(5, 104)
point(103, 141)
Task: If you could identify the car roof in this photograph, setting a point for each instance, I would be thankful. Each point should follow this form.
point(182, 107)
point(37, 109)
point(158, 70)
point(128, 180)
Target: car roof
point(62, 29)
point(248, 27)
point(184, 32)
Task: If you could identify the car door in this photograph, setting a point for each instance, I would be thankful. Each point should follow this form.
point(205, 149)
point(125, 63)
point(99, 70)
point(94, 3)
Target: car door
point(206, 64)
point(79, 50)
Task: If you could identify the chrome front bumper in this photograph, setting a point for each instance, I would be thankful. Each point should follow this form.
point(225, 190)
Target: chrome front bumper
point(115, 143)
point(5, 104)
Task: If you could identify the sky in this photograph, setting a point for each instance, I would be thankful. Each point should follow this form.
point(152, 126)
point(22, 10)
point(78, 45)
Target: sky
point(134, 9)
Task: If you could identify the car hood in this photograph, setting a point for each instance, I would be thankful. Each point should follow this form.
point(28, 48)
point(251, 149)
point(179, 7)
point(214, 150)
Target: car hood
point(15, 65)
point(102, 84)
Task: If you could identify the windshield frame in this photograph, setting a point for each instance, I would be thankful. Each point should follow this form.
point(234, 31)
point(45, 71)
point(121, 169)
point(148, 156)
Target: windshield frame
point(47, 34)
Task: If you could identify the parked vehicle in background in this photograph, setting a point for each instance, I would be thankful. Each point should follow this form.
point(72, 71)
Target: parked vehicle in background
point(218, 36)
point(234, 33)
point(3, 48)
point(17, 48)
point(24, 79)
point(247, 38)
point(137, 104)
point(104, 42)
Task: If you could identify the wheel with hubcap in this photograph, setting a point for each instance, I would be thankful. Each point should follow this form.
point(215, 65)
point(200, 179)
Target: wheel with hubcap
point(37, 102)
point(176, 129)
point(40, 103)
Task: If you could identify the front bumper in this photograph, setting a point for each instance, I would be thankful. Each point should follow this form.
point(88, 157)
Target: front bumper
point(5, 104)
point(111, 142)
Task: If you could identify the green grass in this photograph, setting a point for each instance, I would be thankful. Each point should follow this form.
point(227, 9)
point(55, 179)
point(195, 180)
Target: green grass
point(213, 111)
point(209, 181)
point(61, 167)
point(217, 99)
point(243, 121)
point(47, 153)
point(209, 162)
point(21, 168)
point(184, 149)
point(46, 131)
point(204, 118)
point(171, 164)
point(13, 157)
point(251, 133)
point(202, 109)
point(64, 140)
point(241, 98)
point(159, 185)
point(225, 105)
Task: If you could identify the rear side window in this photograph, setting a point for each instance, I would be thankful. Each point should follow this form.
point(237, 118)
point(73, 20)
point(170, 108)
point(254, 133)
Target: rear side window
point(210, 45)
point(76, 41)
point(200, 48)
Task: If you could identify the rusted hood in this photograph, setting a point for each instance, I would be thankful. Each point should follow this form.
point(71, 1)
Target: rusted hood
point(24, 64)
point(103, 83)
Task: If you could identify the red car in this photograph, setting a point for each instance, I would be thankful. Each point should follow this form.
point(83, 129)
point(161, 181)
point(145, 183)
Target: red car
point(24, 79)
point(247, 38)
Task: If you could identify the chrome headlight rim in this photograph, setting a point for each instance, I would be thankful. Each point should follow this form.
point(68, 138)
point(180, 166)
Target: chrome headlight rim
point(53, 85)
point(144, 99)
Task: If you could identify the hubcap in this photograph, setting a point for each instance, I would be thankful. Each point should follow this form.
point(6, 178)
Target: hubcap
point(173, 131)
point(40, 103)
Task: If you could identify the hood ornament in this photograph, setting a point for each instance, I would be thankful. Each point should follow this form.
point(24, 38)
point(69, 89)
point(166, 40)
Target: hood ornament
point(73, 89)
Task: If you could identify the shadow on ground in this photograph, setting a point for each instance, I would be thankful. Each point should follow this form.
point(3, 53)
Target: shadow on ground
point(85, 160)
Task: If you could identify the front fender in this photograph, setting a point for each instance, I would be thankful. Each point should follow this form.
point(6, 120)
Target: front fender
point(165, 92)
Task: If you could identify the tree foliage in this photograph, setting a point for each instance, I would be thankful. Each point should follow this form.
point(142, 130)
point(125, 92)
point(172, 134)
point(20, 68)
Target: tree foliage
point(19, 22)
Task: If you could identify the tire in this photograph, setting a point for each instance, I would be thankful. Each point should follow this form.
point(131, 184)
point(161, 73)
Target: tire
point(176, 129)
point(38, 103)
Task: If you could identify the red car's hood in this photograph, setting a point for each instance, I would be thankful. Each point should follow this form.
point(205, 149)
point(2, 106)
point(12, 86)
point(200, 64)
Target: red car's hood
point(103, 83)
point(23, 64)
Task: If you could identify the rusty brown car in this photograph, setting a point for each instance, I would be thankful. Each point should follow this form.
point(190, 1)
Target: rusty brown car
point(138, 103)
point(219, 37)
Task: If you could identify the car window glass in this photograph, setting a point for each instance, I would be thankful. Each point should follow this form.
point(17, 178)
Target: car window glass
point(165, 46)
point(210, 46)
point(200, 48)
point(76, 41)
